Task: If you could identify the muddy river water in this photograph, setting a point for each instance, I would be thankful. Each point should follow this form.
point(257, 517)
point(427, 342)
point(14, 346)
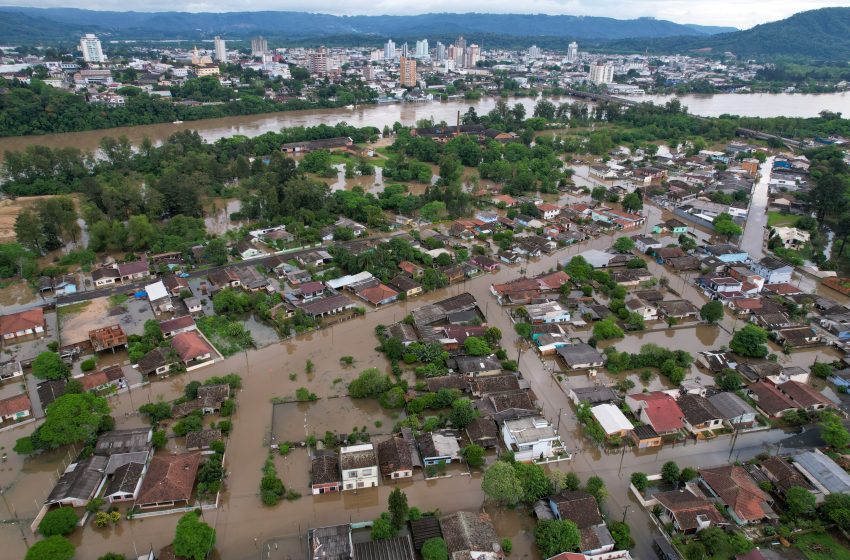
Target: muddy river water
point(277, 370)
point(757, 105)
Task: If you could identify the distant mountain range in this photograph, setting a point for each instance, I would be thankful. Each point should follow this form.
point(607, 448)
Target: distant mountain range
point(822, 34)
point(817, 34)
point(32, 24)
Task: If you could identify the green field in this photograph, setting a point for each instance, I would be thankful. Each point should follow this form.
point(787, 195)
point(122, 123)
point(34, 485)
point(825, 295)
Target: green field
point(822, 546)
point(776, 218)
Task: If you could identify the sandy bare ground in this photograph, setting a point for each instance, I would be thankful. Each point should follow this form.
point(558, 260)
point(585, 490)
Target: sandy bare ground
point(9, 210)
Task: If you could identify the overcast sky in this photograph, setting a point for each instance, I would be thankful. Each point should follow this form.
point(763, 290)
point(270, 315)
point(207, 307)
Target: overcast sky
point(738, 13)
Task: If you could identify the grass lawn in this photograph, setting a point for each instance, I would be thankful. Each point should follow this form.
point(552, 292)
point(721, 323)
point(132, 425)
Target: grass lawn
point(72, 308)
point(822, 546)
point(776, 218)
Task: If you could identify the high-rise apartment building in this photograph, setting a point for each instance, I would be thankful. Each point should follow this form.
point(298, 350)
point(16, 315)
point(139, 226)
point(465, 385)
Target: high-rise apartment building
point(601, 73)
point(259, 46)
point(91, 48)
point(405, 50)
point(572, 52)
point(534, 52)
point(407, 72)
point(368, 72)
point(460, 50)
point(440, 52)
point(317, 61)
point(422, 49)
point(220, 50)
point(389, 50)
point(473, 54)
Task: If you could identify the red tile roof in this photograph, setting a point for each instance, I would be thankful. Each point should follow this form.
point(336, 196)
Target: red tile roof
point(377, 294)
point(190, 345)
point(15, 404)
point(170, 478)
point(21, 321)
point(662, 410)
point(738, 490)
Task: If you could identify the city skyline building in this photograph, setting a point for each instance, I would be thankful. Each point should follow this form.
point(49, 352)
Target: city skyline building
point(407, 72)
point(572, 52)
point(91, 48)
point(259, 46)
point(220, 49)
point(389, 49)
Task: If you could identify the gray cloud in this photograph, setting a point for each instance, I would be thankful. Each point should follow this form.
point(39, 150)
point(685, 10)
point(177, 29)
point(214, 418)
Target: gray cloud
point(739, 13)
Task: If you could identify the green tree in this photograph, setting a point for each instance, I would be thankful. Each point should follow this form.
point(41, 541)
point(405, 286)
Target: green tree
point(800, 502)
point(435, 549)
point(670, 472)
point(833, 432)
point(370, 383)
point(60, 521)
point(48, 365)
point(688, 474)
point(624, 245)
point(606, 329)
point(473, 455)
point(723, 225)
point(728, 380)
point(501, 484)
point(51, 548)
point(554, 537)
point(632, 202)
point(750, 342)
point(535, 484)
point(821, 370)
point(70, 419)
point(159, 439)
point(397, 505)
point(571, 481)
point(462, 413)
point(433, 211)
point(215, 251)
point(382, 528)
point(596, 487)
point(640, 480)
point(29, 231)
point(621, 533)
point(711, 312)
point(476, 346)
point(193, 539)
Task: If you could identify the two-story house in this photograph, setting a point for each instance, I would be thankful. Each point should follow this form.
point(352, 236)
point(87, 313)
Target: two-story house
point(359, 466)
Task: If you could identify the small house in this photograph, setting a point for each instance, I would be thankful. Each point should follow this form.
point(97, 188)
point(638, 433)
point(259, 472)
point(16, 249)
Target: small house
point(359, 466)
point(325, 474)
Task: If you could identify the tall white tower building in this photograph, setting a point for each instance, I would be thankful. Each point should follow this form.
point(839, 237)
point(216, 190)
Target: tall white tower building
point(90, 46)
point(220, 50)
point(389, 50)
point(572, 52)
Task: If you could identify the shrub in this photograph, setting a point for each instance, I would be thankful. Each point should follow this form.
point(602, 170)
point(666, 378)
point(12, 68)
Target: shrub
point(60, 521)
point(89, 364)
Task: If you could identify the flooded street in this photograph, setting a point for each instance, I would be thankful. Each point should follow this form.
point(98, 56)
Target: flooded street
point(752, 241)
point(273, 373)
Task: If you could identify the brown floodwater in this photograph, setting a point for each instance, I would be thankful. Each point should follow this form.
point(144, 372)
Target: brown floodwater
point(267, 373)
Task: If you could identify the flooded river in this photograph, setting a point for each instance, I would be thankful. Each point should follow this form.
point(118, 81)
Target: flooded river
point(757, 105)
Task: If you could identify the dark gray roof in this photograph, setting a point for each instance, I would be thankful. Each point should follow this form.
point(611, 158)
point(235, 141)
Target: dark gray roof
point(396, 548)
point(578, 354)
point(825, 471)
point(423, 529)
point(595, 395)
point(645, 431)
point(125, 479)
point(325, 469)
point(331, 543)
point(123, 441)
point(80, 482)
point(202, 439)
point(466, 530)
point(698, 409)
point(730, 405)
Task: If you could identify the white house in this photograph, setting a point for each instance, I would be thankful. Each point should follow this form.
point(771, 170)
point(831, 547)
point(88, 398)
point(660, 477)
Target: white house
point(530, 438)
point(773, 270)
point(791, 237)
point(612, 420)
point(359, 466)
point(637, 305)
point(645, 243)
point(549, 312)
